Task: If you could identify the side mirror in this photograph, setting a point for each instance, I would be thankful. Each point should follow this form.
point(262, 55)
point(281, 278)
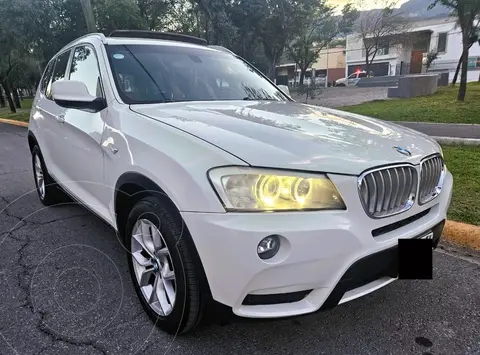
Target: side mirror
point(74, 94)
point(285, 89)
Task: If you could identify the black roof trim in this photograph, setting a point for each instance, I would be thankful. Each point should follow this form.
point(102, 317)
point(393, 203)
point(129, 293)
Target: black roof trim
point(170, 36)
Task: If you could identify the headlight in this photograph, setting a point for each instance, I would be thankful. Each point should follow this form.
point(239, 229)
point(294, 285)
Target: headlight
point(250, 189)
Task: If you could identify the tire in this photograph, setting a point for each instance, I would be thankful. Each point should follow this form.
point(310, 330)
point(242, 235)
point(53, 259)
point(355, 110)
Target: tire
point(190, 295)
point(49, 192)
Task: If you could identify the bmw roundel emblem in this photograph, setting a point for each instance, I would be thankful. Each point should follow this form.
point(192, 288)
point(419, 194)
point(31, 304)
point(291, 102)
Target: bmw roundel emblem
point(403, 151)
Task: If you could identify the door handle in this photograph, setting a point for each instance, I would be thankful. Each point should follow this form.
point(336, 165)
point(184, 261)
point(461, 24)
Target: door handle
point(60, 118)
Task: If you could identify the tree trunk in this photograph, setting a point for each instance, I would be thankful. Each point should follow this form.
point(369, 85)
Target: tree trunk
point(272, 68)
point(2, 98)
point(459, 65)
point(367, 64)
point(302, 76)
point(9, 97)
point(463, 78)
point(16, 98)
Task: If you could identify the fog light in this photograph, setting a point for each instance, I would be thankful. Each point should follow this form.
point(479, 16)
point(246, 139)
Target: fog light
point(268, 247)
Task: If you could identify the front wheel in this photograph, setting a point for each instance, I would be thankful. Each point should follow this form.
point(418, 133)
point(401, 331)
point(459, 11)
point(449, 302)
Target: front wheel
point(160, 258)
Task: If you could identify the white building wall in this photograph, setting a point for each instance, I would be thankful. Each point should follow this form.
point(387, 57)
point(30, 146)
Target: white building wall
point(447, 60)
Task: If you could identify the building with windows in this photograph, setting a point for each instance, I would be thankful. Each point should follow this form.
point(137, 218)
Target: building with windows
point(330, 66)
point(441, 35)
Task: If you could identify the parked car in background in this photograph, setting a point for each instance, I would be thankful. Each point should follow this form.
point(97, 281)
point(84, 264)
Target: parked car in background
point(221, 187)
point(352, 79)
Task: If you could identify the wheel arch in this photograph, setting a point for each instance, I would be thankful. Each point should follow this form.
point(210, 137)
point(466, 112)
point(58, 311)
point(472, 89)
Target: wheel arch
point(32, 140)
point(131, 187)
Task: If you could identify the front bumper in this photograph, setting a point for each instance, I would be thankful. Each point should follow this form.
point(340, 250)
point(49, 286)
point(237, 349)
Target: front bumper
point(317, 253)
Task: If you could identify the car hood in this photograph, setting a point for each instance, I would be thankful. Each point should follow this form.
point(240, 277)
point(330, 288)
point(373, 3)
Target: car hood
point(291, 135)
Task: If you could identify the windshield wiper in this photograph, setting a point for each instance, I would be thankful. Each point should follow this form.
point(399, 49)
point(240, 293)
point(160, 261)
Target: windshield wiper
point(258, 99)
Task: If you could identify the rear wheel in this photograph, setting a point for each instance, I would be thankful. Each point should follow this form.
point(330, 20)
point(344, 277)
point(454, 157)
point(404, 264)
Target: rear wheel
point(47, 189)
point(160, 258)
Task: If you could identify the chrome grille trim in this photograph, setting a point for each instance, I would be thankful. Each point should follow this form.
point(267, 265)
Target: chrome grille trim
point(388, 191)
point(432, 173)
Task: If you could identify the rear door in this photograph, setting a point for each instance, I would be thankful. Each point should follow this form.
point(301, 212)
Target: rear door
point(37, 117)
point(52, 118)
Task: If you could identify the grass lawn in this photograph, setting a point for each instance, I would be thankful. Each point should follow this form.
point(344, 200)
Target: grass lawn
point(464, 164)
point(441, 107)
point(23, 114)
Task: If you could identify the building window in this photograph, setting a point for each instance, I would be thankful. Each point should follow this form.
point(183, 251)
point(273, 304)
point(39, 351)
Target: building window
point(383, 49)
point(442, 42)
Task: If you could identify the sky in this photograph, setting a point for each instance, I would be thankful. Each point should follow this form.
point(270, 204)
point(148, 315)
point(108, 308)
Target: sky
point(369, 4)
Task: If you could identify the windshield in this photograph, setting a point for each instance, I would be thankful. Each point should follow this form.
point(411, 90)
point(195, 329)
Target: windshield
point(162, 73)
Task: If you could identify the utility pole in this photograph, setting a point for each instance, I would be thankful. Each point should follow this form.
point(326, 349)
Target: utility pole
point(89, 17)
point(326, 76)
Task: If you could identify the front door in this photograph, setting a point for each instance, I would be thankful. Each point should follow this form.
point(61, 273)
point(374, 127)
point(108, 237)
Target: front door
point(82, 154)
point(416, 62)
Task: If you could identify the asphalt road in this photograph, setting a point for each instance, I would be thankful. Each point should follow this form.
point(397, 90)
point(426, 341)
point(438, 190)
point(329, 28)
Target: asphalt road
point(65, 289)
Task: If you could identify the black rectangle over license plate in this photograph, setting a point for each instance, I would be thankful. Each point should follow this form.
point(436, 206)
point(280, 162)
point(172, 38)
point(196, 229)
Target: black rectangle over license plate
point(415, 257)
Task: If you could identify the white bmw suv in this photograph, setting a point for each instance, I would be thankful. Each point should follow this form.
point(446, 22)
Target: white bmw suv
point(220, 186)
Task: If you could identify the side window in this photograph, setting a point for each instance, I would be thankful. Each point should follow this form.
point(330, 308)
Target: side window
point(58, 71)
point(46, 76)
point(353, 76)
point(362, 75)
point(84, 68)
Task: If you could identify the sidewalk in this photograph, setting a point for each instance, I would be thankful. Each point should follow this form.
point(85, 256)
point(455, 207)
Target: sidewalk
point(471, 131)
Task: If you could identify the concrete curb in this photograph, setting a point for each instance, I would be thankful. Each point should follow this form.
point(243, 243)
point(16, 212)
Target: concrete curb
point(468, 125)
point(435, 129)
point(14, 122)
point(462, 234)
point(457, 141)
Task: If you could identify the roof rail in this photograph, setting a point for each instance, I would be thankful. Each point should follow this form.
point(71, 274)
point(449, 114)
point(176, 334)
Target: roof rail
point(101, 35)
point(220, 48)
point(170, 36)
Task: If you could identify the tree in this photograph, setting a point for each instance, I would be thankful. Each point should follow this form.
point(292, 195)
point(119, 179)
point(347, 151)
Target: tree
point(473, 39)
point(274, 32)
point(117, 14)
point(14, 44)
point(314, 32)
point(154, 12)
point(2, 99)
point(381, 29)
point(284, 19)
point(467, 13)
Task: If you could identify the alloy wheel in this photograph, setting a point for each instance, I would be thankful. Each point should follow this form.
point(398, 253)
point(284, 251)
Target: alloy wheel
point(153, 267)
